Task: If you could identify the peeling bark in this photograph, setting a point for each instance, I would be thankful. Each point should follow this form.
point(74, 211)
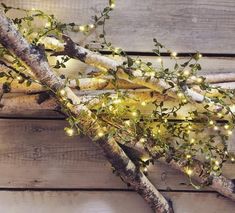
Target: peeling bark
point(35, 59)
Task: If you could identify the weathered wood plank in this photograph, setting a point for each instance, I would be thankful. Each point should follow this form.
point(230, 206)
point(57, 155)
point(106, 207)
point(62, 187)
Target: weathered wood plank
point(183, 25)
point(107, 202)
point(46, 110)
point(37, 154)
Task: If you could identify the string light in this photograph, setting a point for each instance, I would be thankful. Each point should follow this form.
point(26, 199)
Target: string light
point(174, 54)
point(230, 132)
point(188, 171)
point(199, 55)
point(188, 156)
point(217, 163)
point(69, 131)
point(19, 78)
point(159, 59)
point(143, 103)
point(145, 169)
point(91, 26)
point(127, 122)
point(180, 94)
point(82, 28)
point(48, 24)
point(192, 140)
point(219, 115)
point(100, 134)
point(116, 50)
point(199, 80)
point(142, 140)
point(186, 73)
point(216, 128)
point(232, 159)
point(185, 100)
point(62, 92)
point(112, 5)
point(211, 122)
point(165, 120)
point(137, 62)
point(226, 126)
point(134, 113)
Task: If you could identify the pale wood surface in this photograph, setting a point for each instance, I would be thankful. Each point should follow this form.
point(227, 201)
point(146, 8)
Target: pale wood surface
point(107, 202)
point(183, 25)
point(38, 154)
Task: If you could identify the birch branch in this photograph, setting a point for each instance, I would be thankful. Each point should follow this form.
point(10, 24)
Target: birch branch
point(220, 183)
point(35, 59)
point(102, 62)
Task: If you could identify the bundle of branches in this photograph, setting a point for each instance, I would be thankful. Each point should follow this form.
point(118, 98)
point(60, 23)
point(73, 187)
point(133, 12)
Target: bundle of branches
point(125, 105)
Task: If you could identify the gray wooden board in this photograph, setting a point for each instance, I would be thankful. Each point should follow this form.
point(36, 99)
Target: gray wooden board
point(183, 25)
point(38, 154)
point(107, 202)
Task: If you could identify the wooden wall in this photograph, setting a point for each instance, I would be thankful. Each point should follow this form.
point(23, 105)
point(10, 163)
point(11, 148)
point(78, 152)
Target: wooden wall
point(42, 170)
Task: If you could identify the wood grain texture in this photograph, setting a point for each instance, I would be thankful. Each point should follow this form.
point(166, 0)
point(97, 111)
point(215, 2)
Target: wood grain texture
point(46, 109)
point(183, 25)
point(107, 202)
point(38, 154)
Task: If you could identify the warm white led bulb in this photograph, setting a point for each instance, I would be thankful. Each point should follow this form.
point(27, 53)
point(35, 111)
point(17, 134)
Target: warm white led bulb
point(82, 28)
point(69, 131)
point(174, 54)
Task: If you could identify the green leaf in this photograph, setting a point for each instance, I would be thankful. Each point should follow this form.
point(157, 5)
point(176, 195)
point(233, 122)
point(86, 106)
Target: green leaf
point(6, 87)
point(2, 74)
point(28, 83)
point(130, 62)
